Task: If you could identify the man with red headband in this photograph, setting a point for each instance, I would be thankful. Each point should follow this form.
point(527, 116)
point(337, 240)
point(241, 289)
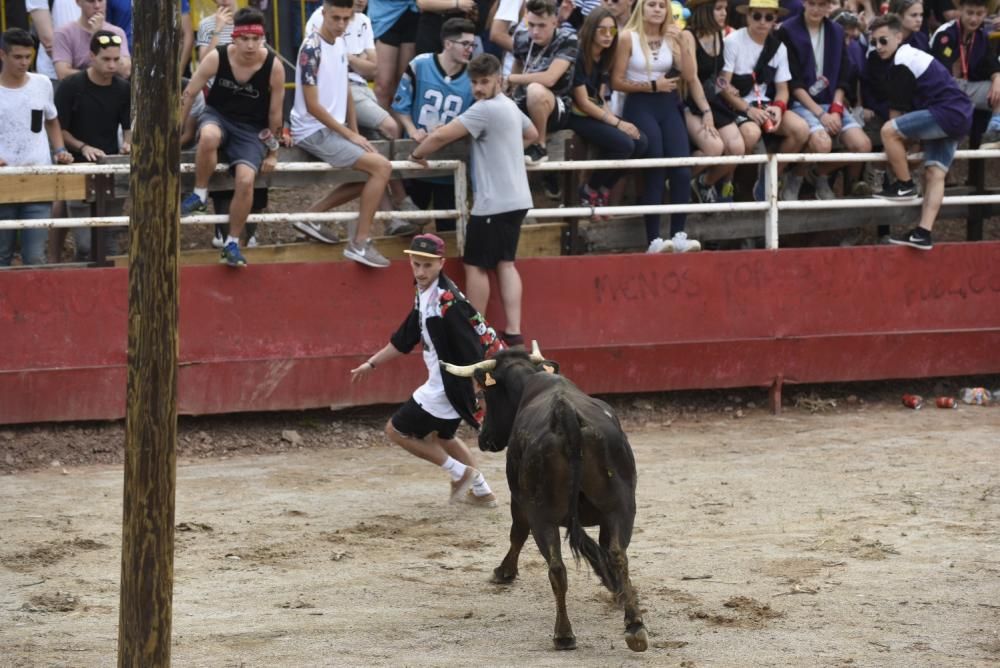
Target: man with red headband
point(248, 88)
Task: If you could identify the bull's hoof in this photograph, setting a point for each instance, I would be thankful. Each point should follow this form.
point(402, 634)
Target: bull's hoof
point(635, 636)
point(501, 578)
point(564, 643)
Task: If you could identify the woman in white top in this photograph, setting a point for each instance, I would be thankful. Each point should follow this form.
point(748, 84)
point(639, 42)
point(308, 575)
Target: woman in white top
point(649, 67)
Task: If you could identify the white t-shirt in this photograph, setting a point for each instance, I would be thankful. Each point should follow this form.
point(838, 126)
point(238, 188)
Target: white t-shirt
point(358, 36)
point(323, 65)
point(63, 12)
point(431, 395)
point(741, 54)
point(509, 10)
point(20, 144)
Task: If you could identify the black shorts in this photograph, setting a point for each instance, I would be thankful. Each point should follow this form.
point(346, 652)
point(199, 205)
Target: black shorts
point(490, 240)
point(403, 31)
point(558, 119)
point(426, 194)
point(412, 420)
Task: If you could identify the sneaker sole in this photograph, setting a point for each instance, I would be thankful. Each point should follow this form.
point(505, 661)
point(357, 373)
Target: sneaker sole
point(900, 198)
point(470, 499)
point(361, 259)
point(310, 232)
point(907, 242)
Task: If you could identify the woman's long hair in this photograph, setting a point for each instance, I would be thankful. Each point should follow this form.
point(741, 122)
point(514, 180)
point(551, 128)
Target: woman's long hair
point(702, 22)
point(636, 24)
point(587, 32)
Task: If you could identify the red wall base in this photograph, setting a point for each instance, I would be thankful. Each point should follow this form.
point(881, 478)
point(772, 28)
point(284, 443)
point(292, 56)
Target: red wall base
point(285, 336)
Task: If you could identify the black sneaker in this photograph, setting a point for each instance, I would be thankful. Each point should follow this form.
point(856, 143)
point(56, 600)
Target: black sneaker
point(918, 238)
point(991, 138)
point(899, 190)
point(551, 186)
point(535, 154)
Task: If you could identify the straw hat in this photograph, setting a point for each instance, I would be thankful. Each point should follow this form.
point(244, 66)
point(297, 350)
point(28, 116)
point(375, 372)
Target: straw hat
point(767, 5)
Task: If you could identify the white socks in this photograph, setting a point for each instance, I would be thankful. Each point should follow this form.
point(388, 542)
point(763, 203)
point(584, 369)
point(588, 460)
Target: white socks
point(232, 240)
point(202, 194)
point(455, 468)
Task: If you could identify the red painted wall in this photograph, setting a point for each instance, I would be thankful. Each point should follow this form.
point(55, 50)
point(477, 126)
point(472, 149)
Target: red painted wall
point(285, 336)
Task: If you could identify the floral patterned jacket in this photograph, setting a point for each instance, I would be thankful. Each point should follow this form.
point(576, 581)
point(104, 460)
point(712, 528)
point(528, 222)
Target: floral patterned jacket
point(460, 335)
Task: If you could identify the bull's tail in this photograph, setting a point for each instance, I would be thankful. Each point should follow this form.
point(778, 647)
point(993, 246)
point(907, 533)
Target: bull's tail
point(566, 420)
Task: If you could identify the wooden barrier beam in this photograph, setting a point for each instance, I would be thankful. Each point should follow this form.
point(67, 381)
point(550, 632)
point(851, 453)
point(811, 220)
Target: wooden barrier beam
point(18, 189)
point(541, 240)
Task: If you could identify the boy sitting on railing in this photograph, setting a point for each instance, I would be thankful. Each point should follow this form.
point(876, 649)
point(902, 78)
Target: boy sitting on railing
point(925, 105)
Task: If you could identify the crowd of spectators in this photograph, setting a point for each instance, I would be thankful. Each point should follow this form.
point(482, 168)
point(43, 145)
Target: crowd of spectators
point(632, 78)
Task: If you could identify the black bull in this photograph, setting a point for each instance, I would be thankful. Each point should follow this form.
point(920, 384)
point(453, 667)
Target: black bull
point(568, 464)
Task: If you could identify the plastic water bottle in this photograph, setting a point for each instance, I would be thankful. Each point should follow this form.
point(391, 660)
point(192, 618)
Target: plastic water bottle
point(976, 396)
point(270, 141)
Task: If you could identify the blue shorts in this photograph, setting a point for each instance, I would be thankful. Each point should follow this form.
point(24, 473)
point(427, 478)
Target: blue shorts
point(939, 148)
point(240, 142)
point(815, 126)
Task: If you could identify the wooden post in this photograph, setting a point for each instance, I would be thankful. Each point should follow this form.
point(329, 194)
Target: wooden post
point(144, 622)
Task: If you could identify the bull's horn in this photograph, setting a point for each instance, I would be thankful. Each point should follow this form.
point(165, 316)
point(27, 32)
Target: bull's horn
point(536, 352)
point(467, 371)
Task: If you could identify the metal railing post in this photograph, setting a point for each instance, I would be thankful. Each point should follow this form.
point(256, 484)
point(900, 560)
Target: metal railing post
point(771, 189)
point(462, 204)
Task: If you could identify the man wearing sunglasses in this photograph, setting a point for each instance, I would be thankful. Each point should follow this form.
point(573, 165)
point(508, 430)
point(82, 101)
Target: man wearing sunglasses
point(434, 90)
point(926, 106)
point(71, 44)
point(93, 106)
point(963, 46)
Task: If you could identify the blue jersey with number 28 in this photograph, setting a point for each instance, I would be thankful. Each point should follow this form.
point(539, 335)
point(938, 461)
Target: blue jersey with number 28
point(429, 96)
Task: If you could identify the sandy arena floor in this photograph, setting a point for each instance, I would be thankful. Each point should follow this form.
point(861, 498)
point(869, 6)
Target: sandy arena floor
point(862, 538)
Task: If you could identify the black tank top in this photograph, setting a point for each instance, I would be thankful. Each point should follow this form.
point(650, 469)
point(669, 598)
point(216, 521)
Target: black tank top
point(709, 67)
point(247, 102)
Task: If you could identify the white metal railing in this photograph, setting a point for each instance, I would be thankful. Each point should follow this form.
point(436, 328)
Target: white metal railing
point(771, 206)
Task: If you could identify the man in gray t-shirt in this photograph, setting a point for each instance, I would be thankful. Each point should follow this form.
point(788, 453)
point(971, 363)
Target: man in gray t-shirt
point(502, 197)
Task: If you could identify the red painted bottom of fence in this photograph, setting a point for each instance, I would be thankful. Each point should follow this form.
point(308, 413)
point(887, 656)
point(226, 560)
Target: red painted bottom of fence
point(285, 336)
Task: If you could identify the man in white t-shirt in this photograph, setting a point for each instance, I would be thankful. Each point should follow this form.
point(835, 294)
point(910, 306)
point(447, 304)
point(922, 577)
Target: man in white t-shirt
point(324, 124)
point(759, 94)
point(29, 135)
point(448, 328)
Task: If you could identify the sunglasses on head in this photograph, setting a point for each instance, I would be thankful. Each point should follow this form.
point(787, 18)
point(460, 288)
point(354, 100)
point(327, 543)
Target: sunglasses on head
point(603, 30)
point(104, 40)
point(882, 41)
point(759, 16)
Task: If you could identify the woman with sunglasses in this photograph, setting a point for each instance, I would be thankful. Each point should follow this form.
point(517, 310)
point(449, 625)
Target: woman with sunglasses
point(756, 69)
point(614, 137)
point(704, 39)
point(649, 66)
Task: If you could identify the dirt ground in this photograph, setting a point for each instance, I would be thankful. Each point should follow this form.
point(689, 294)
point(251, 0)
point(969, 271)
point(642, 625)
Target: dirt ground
point(845, 532)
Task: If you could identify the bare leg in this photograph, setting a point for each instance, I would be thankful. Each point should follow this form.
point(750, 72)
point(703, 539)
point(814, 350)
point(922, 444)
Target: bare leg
point(386, 80)
point(895, 151)
point(379, 170)
point(429, 450)
point(239, 208)
point(541, 103)
point(477, 287)
point(509, 281)
point(207, 154)
point(934, 178)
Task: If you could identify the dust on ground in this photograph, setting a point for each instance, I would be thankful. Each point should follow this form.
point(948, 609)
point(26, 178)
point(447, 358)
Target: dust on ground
point(849, 531)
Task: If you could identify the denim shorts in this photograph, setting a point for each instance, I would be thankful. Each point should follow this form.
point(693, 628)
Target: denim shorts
point(815, 126)
point(938, 147)
point(240, 142)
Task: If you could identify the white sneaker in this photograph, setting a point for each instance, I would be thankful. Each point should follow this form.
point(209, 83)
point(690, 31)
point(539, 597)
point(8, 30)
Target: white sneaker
point(823, 189)
point(682, 244)
point(659, 245)
point(365, 254)
point(218, 240)
point(252, 242)
point(400, 227)
point(790, 191)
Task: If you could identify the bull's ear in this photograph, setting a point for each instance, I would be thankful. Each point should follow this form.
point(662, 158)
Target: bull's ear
point(489, 381)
